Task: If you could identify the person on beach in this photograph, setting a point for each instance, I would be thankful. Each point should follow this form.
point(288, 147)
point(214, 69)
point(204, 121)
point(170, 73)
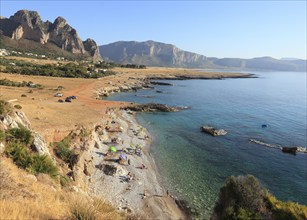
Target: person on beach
point(129, 177)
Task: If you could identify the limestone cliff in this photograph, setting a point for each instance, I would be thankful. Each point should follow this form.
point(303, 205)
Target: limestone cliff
point(28, 25)
point(151, 53)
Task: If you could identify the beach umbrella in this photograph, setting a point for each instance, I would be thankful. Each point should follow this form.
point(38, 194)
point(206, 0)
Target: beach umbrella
point(122, 156)
point(113, 149)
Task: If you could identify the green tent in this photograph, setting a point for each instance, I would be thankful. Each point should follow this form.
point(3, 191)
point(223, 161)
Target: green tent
point(113, 149)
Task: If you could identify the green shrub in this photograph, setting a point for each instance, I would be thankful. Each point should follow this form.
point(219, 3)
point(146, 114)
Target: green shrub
point(18, 106)
point(61, 70)
point(64, 180)
point(242, 197)
point(2, 135)
point(62, 150)
point(20, 155)
point(5, 107)
point(42, 164)
point(31, 161)
point(286, 210)
point(21, 134)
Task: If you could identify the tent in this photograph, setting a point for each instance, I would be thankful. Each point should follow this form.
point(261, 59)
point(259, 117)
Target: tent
point(122, 156)
point(113, 149)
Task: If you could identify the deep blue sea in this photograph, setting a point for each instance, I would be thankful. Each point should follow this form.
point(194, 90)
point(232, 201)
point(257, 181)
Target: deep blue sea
point(194, 165)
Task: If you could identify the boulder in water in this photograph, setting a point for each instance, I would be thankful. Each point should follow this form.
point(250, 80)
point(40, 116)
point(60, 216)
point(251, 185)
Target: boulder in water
point(213, 131)
point(290, 150)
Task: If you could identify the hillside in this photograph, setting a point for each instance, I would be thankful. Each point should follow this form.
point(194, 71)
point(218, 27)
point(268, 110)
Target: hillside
point(151, 53)
point(26, 31)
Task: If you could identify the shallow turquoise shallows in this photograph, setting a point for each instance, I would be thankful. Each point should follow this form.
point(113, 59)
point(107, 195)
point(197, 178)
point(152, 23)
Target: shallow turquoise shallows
point(194, 165)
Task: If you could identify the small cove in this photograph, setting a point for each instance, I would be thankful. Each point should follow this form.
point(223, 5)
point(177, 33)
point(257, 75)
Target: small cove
point(195, 165)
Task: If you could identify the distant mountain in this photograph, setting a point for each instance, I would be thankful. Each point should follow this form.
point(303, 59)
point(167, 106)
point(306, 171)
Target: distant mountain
point(151, 53)
point(289, 58)
point(27, 25)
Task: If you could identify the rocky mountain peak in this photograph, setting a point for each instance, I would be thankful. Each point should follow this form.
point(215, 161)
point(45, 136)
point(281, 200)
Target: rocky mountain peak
point(90, 45)
point(30, 18)
point(28, 25)
point(59, 22)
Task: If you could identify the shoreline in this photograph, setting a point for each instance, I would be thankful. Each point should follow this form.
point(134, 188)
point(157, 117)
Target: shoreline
point(144, 195)
point(147, 82)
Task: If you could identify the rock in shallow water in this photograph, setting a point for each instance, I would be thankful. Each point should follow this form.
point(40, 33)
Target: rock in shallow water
point(213, 131)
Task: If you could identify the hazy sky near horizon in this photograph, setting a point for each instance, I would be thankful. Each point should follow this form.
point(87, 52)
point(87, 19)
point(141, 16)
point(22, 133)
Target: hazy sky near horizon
point(243, 29)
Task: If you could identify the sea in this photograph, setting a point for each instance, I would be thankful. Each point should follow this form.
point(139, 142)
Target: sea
point(194, 165)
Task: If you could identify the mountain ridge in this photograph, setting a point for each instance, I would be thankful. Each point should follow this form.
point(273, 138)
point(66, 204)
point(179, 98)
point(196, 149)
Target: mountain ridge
point(152, 53)
point(28, 25)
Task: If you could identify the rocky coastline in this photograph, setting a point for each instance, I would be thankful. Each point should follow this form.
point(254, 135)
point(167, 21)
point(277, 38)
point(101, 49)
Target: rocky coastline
point(150, 82)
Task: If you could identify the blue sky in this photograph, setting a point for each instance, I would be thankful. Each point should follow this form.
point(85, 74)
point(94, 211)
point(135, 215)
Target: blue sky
point(242, 29)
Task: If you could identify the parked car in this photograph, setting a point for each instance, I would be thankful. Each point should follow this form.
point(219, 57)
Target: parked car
point(68, 99)
point(58, 94)
point(73, 97)
point(60, 100)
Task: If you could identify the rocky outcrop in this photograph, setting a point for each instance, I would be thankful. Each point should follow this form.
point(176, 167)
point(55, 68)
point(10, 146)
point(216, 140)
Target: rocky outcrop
point(40, 144)
point(213, 131)
point(28, 25)
point(18, 119)
point(14, 120)
point(153, 107)
point(161, 83)
point(33, 28)
point(91, 46)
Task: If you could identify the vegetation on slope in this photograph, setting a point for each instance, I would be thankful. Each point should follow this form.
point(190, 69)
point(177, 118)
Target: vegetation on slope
point(62, 150)
point(7, 82)
point(70, 70)
point(243, 198)
point(22, 197)
point(18, 148)
point(5, 107)
point(25, 196)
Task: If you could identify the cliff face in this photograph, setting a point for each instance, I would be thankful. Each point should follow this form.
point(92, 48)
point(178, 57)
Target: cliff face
point(151, 53)
point(29, 25)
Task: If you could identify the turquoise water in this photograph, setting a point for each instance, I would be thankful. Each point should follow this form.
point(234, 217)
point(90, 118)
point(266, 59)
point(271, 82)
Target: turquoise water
point(195, 165)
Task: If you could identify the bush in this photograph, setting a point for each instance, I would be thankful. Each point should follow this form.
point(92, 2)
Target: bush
point(62, 150)
point(31, 161)
point(63, 70)
point(64, 180)
point(20, 155)
point(21, 134)
point(286, 210)
point(42, 164)
point(5, 107)
point(23, 95)
point(2, 135)
point(18, 106)
point(86, 210)
point(242, 197)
